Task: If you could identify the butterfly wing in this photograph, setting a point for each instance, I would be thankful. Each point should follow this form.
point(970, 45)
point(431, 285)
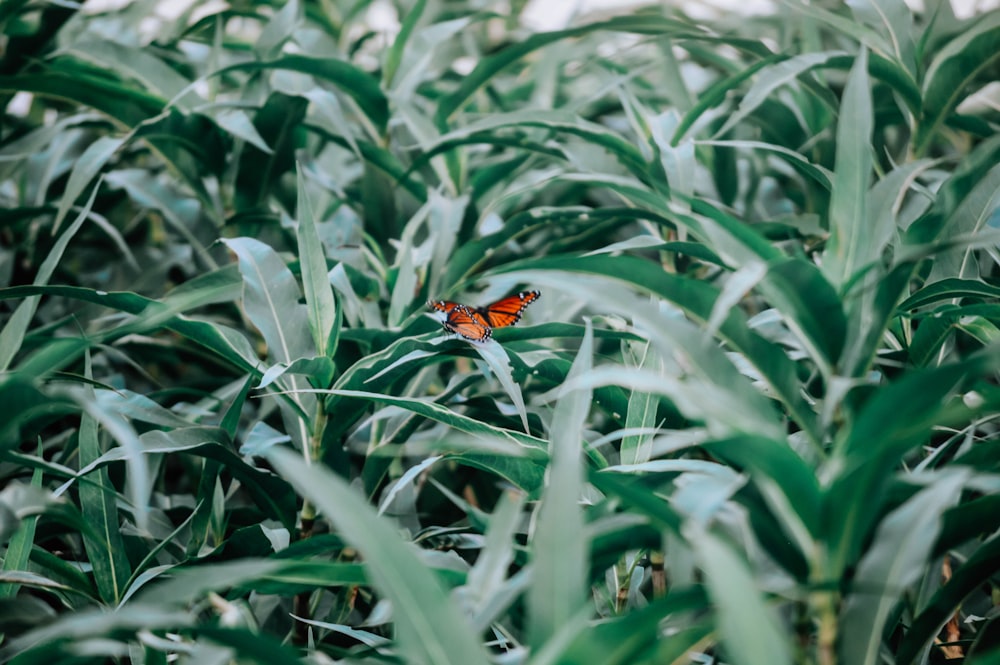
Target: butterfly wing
point(468, 323)
point(444, 306)
point(507, 311)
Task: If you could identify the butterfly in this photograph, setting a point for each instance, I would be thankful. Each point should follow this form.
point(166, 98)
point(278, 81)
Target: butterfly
point(477, 323)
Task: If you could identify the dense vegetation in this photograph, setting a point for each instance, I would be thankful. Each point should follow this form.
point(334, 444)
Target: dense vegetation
point(753, 418)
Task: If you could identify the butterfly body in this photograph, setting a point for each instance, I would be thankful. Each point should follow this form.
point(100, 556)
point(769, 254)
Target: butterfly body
point(477, 323)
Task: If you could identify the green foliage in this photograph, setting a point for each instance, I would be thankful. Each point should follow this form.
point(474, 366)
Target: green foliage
point(752, 420)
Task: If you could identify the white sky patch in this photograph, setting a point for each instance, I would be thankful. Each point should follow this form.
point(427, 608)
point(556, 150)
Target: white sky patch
point(544, 15)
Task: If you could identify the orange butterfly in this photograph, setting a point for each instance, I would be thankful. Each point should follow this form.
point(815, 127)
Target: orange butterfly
point(477, 323)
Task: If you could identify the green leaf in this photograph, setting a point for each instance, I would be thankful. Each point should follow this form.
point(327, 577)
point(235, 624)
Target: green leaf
point(751, 633)
point(488, 580)
point(522, 444)
point(851, 246)
point(271, 297)
point(809, 305)
point(271, 494)
point(899, 416)
point(321, 307)
point(187, 585)
point(430, 629)
point(279, 123)
point(772, 77)
point(98, 499)
point(139, 64)
point(893, 19)
point(558, 545)
point(20, 543)
point(360, 85)
point(774, 466)
point(489, 66)
point(635, 495)
point(710, 387)
point(820, 175)
point(637, 637)
point(12, 335)
point(697, 298)
point(279, 30)
point(983, 564)
point(394, 55)
point(148, 191)
point(949, 289)
point(954, 67)
point(86, 168)
point(71, 630)
point(898, 556)
point(641, 413)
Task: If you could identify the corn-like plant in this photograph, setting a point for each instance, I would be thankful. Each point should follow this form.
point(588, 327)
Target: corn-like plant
point(751, 419)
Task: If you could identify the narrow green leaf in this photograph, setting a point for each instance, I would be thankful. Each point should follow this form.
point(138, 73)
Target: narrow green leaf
point(751, 633)
point(899, 417)
point(820, 175)
point(271, 298)
point(146, 190)
point(24, 402)
point(321, 307)
point(964, 189)
point(697, 298)
point(773, 464)
point(430, 629)
point(635, 495)
point(971, 217)
point(637, 637)
point(355, 82)
point(495, 356)
point(19, 546)
point(772, 77)
point(898, 556)
point(489, 66)
point(87, 167)
point(98, 498)
point(809, 305)
point(709, 388)
point(188, 585)
point(983, 564)
point(558, 545)
point(955, 66)
point(524, 444)
point(279, 122)
point(559, 122)
point(893, 19)
point(127, 103)
point(12, 335)
point(251, 645)
point(851, 244)
point(641, 413)
point(278, 30)
point(394, 55)
point(77, 627)
point(140, 485)
point(949, 289)
point(488, 576)
point(270, 493)
point(138, 64)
